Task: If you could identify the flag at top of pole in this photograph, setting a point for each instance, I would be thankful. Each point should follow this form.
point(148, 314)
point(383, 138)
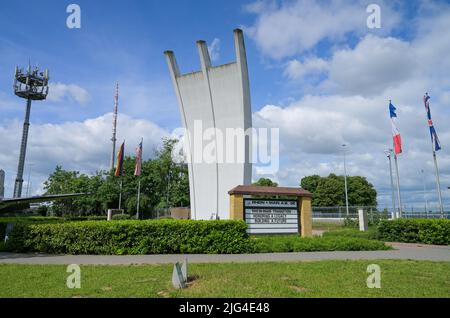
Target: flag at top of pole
point(434, 137)
point(138, 167)
point(395, 133)
point(119, 167)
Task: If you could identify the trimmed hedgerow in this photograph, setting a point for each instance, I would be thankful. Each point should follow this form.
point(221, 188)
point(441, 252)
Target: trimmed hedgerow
point(370, 234)
point(429, 231)
point(131, 237)
point(44, 219)
point(293, 243)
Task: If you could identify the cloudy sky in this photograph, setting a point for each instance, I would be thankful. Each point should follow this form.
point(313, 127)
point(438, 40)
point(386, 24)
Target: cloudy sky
point(317, 72)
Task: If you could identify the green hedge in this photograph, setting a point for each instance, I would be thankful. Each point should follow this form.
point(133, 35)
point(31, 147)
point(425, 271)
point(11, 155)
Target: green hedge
point(43, 219)
point(370, 234)
point(429, 231)
point(294, 243)
point(131, 237)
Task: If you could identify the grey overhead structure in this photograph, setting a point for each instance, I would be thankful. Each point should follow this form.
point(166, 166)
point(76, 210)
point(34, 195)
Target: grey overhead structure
point(216, 97)
point(30, 84)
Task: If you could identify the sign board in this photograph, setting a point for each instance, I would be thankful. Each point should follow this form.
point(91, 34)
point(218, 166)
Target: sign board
point(264, 216)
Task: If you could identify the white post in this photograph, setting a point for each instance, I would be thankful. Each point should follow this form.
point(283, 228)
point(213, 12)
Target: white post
point(345, 181)
point(363, 222)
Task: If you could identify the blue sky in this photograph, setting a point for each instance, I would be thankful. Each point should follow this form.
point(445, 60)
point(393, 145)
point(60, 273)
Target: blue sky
point(315, 60)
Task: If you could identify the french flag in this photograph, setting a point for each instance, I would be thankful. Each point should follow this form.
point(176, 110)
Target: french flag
point(395, 133)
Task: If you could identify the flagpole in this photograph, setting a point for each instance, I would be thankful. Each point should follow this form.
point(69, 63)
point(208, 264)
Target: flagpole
point(120, 194)
point(398, 188)
point(389, 154)
point(137, 172)
point(438, 183)
point(434, 146)
point(138, 198)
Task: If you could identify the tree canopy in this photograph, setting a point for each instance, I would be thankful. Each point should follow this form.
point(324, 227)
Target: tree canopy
point(265, 182)
point(330, 190)
point(164, 183)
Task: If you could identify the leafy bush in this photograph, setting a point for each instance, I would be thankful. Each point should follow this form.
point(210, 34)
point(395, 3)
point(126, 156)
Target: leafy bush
point(121, 217)
point(351, 222)
point(293, 243)
point(131, 237)
point(370, 234)
point(429, 231)
point(84, 218)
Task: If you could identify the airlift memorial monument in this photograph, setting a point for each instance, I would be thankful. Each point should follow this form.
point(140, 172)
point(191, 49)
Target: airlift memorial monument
point(217, 99)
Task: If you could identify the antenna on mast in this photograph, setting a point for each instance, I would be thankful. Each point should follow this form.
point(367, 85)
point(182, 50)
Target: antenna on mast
point(114, 130)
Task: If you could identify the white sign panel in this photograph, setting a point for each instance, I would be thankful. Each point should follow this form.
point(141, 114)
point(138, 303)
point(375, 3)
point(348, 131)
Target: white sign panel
point(271, 216)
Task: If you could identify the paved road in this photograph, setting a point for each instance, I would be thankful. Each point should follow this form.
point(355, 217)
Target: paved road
point(402, 251)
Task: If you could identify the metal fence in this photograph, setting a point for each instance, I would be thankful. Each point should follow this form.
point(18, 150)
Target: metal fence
point(340, 212)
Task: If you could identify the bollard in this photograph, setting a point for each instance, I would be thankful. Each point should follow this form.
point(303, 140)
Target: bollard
point(363, 222)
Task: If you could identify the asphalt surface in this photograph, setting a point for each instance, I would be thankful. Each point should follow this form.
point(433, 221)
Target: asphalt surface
point(402, 251)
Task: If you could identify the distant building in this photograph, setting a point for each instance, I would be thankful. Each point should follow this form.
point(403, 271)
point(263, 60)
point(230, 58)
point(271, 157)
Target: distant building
point(2, 183)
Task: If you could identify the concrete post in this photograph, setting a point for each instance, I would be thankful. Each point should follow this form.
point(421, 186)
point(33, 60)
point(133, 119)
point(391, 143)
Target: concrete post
point(363, 221)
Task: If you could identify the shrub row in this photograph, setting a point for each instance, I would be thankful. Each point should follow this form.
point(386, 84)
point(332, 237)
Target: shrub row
point(44, 219)
point(370, 234)
point(131, 237)
point(292, 243)
point(429, 231)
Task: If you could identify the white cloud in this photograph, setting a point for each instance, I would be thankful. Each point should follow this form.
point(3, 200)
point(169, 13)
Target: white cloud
point(313, 128)
point(84, 146)
point(313, 66)
point(59, 92)
point(372, 66)
point(214, 49)
point(297, 26)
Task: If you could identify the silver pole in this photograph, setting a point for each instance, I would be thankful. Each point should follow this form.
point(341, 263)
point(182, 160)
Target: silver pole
point(424, 193)
point(138, 198)
point(120, 194)
point(345, 181)
point(400, 207)
point(438, 183)
point(23, 149)
point(389, 153)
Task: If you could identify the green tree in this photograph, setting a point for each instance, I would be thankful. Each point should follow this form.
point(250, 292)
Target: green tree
point(266, 182)
point(164, 183)
point(330, 190)
point(310, 183)
point(62, 181)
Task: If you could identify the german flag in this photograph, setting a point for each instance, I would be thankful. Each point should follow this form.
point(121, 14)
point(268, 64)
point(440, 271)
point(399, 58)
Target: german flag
point(119, 168)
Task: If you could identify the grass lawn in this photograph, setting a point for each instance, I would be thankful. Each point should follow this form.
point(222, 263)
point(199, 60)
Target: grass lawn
point(281, 279)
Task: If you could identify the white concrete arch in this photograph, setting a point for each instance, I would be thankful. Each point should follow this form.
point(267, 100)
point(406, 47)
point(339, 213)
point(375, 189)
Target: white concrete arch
point(218, 97)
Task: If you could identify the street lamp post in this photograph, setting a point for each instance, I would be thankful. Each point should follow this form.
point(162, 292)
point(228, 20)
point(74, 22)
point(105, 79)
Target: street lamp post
point(345, 179)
